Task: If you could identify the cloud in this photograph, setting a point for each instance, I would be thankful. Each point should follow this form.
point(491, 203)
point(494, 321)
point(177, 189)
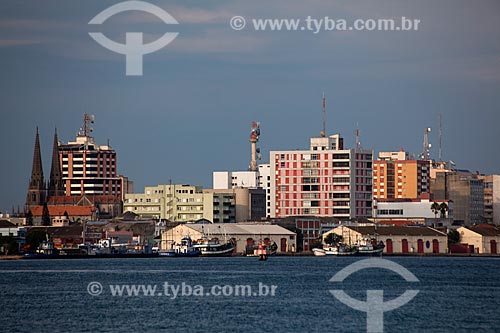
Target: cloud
point(183, 15)
point(17, 42)
point(205, 16)
point(33, 25)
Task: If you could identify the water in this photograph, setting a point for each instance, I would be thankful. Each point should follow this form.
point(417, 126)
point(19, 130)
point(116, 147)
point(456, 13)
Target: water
point(456, 295)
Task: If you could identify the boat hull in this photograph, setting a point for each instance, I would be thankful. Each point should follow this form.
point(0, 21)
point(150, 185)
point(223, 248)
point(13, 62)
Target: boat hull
point(217, 253)
point(172, 254)
point(370, 253)
point(216, 250)
point(341, 250)
point(319, 252)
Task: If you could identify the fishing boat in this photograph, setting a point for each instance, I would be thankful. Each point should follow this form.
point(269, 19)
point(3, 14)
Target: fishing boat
point(369, 247)
point(339, 249)
point(184, 249)
point(214, 248)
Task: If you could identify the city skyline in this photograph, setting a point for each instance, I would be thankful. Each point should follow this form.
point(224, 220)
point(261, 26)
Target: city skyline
point(190, 113)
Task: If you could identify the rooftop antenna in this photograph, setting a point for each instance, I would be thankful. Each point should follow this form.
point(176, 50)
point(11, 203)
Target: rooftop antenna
point(426, 153)
point(86, 129)
point(323, 106)
point(440, 137)
point(358, 143)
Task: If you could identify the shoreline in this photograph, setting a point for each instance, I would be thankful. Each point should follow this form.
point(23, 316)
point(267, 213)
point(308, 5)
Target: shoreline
point(300, 254)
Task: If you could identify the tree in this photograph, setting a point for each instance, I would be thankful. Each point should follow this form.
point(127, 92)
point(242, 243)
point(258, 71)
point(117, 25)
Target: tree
point(443, 208)
point(333, 238)
point(435, 207)
point(453, 237)
point(45, 215)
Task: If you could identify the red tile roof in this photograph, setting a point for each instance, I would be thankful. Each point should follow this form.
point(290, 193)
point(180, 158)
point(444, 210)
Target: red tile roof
point(486, 230)
point(60, 210)
point(397, 222)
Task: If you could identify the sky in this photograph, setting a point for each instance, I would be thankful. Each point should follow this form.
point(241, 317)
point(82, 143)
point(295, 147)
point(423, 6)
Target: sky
point(191, 111)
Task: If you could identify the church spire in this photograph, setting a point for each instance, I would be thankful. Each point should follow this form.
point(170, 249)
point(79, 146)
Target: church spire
point(36, 190)
point(56, 186)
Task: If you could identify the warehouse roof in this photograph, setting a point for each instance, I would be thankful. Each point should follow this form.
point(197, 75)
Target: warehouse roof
point(397, 230)
point(485, 230)
point(240, 229)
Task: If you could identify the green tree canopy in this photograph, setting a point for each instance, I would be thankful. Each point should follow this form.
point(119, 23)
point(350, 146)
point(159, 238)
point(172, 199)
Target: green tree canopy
point(453, 237)
point(435, 209)
point(333, 238)
point(443, 208)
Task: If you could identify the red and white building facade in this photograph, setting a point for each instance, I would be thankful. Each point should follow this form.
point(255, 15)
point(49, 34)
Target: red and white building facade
point(89, 169)
point(326, 180)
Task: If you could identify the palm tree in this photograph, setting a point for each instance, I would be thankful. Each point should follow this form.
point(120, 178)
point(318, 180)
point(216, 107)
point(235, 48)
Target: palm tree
point(443, 208)
point(435, 207)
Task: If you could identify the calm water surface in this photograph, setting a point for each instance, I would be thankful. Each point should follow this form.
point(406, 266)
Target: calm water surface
point(456, 295)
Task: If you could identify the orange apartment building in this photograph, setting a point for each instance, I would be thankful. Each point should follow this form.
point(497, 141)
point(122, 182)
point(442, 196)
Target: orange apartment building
point(397, 177)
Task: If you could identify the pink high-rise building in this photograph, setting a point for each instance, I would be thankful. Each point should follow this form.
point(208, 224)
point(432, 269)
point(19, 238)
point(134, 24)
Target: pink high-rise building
point(326, 180)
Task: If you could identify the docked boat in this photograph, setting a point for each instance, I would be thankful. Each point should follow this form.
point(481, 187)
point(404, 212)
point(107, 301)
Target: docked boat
point(184, 249)
point(335, 249)
point(340, 249)
point(319, 252)
point(45, 250)
point(214, 248)
point(369, 247)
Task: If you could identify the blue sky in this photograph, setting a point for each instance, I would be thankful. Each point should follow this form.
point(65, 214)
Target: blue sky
point(190, 113)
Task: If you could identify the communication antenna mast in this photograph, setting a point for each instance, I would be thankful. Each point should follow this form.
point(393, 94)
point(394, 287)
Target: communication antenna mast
point(323, 107)
point(440, 137)
point(86, 129)
point(358, 143)
point(254, 138)
point(426, 153)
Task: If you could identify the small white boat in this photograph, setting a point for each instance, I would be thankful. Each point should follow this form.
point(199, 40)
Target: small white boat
point(319, 252)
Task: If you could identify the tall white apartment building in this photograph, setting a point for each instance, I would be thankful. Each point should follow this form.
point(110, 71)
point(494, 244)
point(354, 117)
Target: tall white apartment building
point(265, 184)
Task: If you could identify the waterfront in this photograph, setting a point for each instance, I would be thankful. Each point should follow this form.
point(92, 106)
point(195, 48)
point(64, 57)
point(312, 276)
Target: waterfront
point(456, 294)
